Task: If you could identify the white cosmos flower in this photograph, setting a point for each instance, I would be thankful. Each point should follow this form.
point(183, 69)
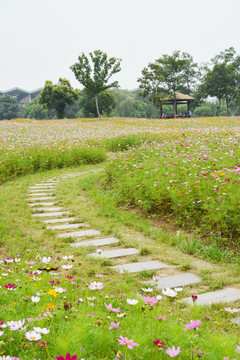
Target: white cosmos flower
point(60, 290)
point(46, 260)
point(16, 325)
point(1, 333)
point(35, 299)
point(178, 289)
point(33, 335)
point(147, 289)
point(66, 267)
point(159, 297)
point(169, 292)
point(41, 331)
point(67, 257)
point(132, 301)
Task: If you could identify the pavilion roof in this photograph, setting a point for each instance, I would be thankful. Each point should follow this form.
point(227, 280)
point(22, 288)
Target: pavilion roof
point(180, 97)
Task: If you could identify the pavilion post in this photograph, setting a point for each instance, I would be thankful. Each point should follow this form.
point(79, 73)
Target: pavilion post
point(188, 106)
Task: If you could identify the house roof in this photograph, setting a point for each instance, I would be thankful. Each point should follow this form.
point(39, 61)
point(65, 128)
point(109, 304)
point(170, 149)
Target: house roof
point(20, 93)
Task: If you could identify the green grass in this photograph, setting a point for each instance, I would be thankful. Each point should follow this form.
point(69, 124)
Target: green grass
point(71, 330)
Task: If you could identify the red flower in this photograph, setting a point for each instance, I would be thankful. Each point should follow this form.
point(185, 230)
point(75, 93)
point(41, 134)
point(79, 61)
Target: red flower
point(159, 344)
point(68, 357)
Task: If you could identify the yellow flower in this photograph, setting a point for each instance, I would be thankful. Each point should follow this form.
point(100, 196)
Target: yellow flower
point(52, 292)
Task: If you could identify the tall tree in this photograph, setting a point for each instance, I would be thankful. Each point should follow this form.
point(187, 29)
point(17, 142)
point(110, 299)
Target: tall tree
point(57, 96)
point(151, 85)
point(169, 74)
point(95, 80)
point(222, 78)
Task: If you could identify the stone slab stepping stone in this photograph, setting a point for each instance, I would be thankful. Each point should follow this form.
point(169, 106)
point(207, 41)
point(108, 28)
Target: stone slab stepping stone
point(40, 191)
point(62, 220)
point(97, 243)
point(140, 266)
point(56, 208)
point(39, 194)
point(81, 233)
point(65, 227)
point(42, 187)
point(225, 295)
point(42, 198)
point(116, 253)
point(47, 183)
point(42, 204)
point(175, 281)
point(58, 213)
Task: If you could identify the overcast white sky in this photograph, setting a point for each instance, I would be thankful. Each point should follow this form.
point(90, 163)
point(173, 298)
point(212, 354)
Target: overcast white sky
point(40, 39)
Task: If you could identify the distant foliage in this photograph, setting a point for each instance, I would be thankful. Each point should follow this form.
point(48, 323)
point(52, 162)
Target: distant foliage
point(9, 107)
point(106, 101)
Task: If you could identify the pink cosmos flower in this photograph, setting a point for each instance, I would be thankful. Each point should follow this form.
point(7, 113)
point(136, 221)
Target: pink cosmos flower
point(172, 352)
point(67, 357)
point(193, 325)
point(110, 308)
point(114, 325)
point(231, 310)
point(96, 286)
point(9, 286)
point(161, 317)
point(150, 300)
point(126, 341)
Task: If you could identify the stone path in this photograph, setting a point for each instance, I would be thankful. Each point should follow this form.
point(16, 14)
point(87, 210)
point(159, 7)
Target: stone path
point(63, 225)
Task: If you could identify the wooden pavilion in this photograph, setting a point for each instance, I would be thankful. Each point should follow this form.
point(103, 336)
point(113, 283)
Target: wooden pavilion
point(174, 100)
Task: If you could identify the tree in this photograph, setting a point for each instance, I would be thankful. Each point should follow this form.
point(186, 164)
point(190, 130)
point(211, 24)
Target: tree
point(96, 80)
point(152, 86)
point(222, 78)
point(57, 96)
point(9, 107)
point(169, 74)
point(34, 110)
point(106, 102)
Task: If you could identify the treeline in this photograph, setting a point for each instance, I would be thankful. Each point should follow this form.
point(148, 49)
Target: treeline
point(124, 104)
point(215, 87)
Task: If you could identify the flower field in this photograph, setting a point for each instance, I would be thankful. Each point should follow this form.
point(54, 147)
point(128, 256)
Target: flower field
point(50, 310)
point(57, 304)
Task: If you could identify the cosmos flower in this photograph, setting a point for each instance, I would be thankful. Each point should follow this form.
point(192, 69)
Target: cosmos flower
point(33, 335)
point(125, 341)
point(150, 300)
point(132, 301)
point(172, 352)
point(193, 324)
point(95, 286)
point(169, 292)
point(110, 308)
